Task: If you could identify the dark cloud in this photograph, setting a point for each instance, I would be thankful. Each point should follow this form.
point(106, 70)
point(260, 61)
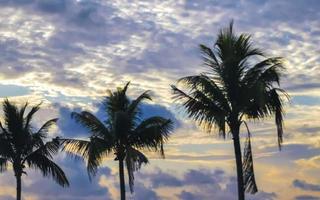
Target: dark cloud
point(208, 5)
point(161, 179)
point(70, 128)
point(50, 6)
point(4, 197)
point(263, 196)
point(182, 46)
point(291, 152)
point(45, 188)
point(307, 197)
point(148, 185)
point(291, 12)
point(191, 177)
point(305, 185)
point(187, 196)
point(80, 186)
point(195, 177)
point(309, 129)
point(201, 184)
point(303, 86)
point(142, 192)
point(11, 51)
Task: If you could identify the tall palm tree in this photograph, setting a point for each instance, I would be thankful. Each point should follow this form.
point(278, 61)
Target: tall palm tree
point(21, 146)
point(237, 87)
point(123, 133)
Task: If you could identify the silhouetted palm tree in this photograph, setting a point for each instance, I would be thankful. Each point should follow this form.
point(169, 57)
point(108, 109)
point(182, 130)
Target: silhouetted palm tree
point(236, 87)
point(122, 133)
point(20, 145)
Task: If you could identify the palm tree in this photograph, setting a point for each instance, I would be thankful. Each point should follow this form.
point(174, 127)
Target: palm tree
point(123, 133)
point(237, 87)
point(21, 146)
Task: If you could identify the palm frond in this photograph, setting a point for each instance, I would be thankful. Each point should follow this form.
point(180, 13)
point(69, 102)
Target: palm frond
point(250, 184)
point(49, 149)
point(75, 147)
point(233, 48)
point(98, 150)
point(29, 116)
point(37, 137)
point(6, 147)
point(133, 108)
point(92, 123)
point(209, 87)
point(22, 111)
point(92, 151)
point(275, 104)
point(3, 164)
point(3, 129)
point(245, 49)
point(267, 103)
point(42, 132)
point(47, 167)
point(125, 88)
point(12, 118)
point(273, 73)
point(134, 159)
point(211, 60)
point(267, 71)
point(201, 108)
point(116, 101)
point(151, 133)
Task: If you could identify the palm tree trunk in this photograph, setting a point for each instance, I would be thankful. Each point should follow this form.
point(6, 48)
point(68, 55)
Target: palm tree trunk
point(122, 184)
point(237, 151)
point(18, 178)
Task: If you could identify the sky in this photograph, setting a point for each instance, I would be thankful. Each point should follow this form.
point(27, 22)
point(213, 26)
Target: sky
point(67, 53)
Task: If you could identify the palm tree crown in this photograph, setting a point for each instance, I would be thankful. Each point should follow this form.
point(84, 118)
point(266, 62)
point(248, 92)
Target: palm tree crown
point(21, 146)
point(123, 133)
point(236, 87)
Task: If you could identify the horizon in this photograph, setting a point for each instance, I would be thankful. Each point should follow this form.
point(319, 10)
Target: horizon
point(68, 53)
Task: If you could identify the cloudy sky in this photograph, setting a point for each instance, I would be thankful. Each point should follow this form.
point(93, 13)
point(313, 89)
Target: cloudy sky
point(67, 53)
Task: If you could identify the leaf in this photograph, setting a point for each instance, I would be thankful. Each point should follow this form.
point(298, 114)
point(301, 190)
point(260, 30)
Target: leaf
point(134, 159)
point(47, 168)
point(250, 185)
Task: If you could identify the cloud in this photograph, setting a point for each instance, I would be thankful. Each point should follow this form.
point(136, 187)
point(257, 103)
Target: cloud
point(70, 128)
point(45, 188)
point(161, 179)
point(82, 46)
point(303, 86)
point(293, 152)
point(187, 196)
point(71, 51)
point(305, 186)
point(196, 177)
point(7, 198)
point(197, 184)
point(141, 192)
point(309, 163)
point(80, 186)
point(307, 197)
